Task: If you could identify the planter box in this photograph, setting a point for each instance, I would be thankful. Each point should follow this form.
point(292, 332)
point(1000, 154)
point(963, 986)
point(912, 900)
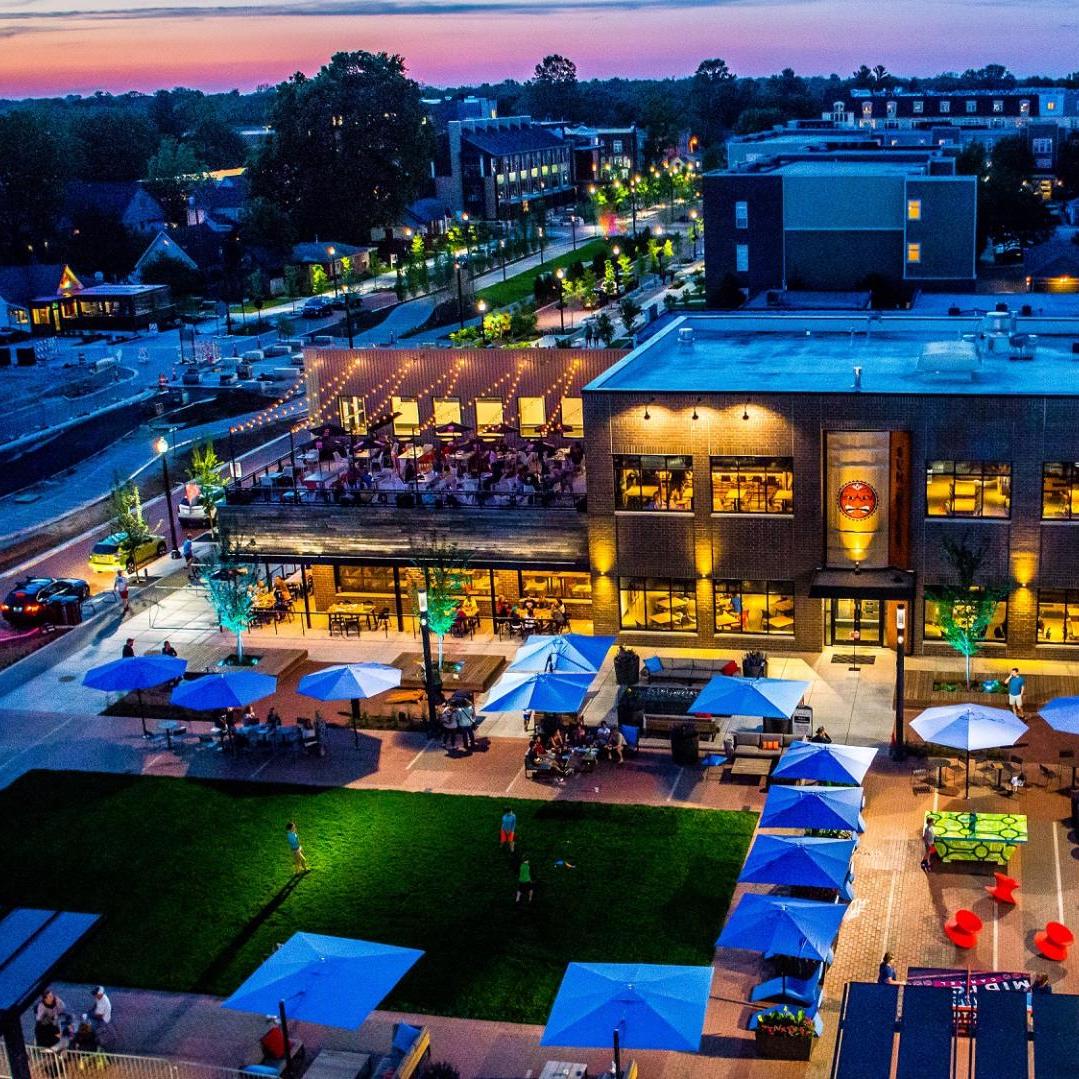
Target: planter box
point(784, 1046)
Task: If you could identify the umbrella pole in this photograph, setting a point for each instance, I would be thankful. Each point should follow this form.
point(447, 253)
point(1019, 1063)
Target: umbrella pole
point(617, 1057)
point(355, 722)
point(968, 775)
point(284, 1031)
point(142, 714)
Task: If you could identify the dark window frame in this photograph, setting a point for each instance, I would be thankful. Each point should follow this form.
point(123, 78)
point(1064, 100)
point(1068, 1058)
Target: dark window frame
point(928, 599)
point(772, 590)
point(980, 477)
point(737, 465)
point(687, 586)
point(1069, 598)
point(625, 462)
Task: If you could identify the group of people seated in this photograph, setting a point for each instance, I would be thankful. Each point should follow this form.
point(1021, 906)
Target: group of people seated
point(520, 617)
point(467, 618)
point(553, 743)
point(238, 727)
point(56, 1028)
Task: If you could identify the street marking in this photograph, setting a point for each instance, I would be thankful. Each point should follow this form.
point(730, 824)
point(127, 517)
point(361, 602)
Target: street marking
point(415, 760)
point(888, 913)
point(261, 766)
point(33, 745)
point(515, 778)
point(1056, 866)
point(674, 785)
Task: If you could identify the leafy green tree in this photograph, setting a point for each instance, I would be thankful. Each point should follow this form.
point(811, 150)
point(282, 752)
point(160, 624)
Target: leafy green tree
point(183, 281)
point(350, 147)
point(610, 279)
point(205, 471)
point(757, 119)
point(217, 143)
point(553, 89)
point(523, 322)
point(442, 571)
point(172, 174)
point(264, 224)
point(35, 161)
point(230, 588)
point(296, 282)
point(125, 515)
point(629, 309)
point(258, 291)
point(605, 330)
point(113, 143)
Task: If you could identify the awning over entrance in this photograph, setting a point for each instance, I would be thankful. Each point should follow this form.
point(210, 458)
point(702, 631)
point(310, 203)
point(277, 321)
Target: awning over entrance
point(887, 583)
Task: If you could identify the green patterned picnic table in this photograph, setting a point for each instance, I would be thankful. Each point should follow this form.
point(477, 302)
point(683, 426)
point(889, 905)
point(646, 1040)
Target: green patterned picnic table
point(978, 837)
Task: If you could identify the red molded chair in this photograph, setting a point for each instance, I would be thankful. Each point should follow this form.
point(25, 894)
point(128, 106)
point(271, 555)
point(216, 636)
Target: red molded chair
point(1054, 941)
point(962, 928)
point(1004, 889)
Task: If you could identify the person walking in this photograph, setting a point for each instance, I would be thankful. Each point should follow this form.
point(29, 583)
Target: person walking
point(101, 1015)
point(466, 724)
point(1016, 682)
point(448, 719)
point(929, 843)
point(187, 549)
point(507, 835)
point(167, 649)
point(525, 883)
point(299, 859)
point(886, 974)
point(120, 591)
point(128, 651)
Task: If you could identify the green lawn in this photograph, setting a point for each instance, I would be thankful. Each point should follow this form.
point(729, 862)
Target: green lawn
point(520, 287)
point(194, 880)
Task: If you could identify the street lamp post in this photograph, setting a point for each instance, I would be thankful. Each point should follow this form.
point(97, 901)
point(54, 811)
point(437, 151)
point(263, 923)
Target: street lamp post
point(560, 276)
point(459, 265)
point(573, 227)
point(540, 231)
point(502, 251)
point(898, 747)
point(693, 230)
point(432, 679)
point(332, 252)
point(161, 447)
point(633, 204)
point(616, 251)
point(481, 306)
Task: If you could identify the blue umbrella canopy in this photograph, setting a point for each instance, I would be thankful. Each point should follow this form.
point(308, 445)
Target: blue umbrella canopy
point(799, 860)
point(824, 762)
point(777, 925)
point(731, 696)
point(569, 653)
point(329, 980)
point(648, 1007)
point(1062, 714)
point(350, 681)
point(232, 690)
point(135, 672)
point(814, 807)
point(537, 691)
point(969, 727)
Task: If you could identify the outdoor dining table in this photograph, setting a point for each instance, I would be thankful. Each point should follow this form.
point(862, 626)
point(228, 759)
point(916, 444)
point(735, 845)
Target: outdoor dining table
point(169, 727)
point(978, 837)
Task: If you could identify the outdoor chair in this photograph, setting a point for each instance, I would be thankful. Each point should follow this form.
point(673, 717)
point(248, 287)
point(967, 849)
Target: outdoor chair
point(919, 781)
point(1054, 941)
point(382, 621)
point(925, 1033)
point(800, 991)
point(1004, 889)
point(962, 929)
point(1000, 1035)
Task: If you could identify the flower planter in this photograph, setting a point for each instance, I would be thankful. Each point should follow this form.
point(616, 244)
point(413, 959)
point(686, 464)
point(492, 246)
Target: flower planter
point(773, 1046)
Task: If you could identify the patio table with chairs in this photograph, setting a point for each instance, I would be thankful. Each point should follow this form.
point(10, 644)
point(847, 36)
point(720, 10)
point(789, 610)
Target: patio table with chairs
point(344, 618)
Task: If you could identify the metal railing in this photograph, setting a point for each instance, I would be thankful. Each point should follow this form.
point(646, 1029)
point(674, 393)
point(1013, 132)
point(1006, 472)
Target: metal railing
point(72, 1064)
point(407, 497)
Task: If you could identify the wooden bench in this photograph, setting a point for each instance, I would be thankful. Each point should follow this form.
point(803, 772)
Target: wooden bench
point(660, 726)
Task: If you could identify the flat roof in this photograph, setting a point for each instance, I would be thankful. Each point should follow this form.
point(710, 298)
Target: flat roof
point(898, 354)
point(870, 167)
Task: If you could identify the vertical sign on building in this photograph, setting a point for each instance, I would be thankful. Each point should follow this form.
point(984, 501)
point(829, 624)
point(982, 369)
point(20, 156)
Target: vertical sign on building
point(858, 498)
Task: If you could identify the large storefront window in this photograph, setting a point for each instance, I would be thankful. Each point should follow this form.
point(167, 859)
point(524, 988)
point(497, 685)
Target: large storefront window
point(533, 416)
point(572, 417)
point(755, 607)
point(657, 603)
point(447, 410)
point(569, 587)
point(1060, 491)
point(1058, 616)
point(968, 489)
point(752, 484)
point(653, 482)
point(374, 583)
point(964, 614)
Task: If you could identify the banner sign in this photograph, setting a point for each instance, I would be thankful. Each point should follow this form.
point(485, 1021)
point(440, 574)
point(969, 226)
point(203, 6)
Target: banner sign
point(858, 506)
point(972, 981)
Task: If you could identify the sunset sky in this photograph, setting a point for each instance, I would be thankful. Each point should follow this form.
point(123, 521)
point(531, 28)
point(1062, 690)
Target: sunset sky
point(79, 46)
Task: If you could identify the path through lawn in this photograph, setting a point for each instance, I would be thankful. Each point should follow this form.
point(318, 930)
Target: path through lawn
point(195, 880)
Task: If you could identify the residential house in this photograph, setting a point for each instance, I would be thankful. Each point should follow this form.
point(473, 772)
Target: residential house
point(21, 285)
point(127, 201)
point(331, 260)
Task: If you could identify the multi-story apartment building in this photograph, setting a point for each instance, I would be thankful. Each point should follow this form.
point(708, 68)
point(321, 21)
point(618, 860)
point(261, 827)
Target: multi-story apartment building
point(839, 219)
point(1012, 107)
point(600, 154)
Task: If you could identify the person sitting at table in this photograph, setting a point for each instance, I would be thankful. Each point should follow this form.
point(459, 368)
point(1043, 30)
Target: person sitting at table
point(557, 742)
point(273, 719)
point(460, 623)
point(470, 609)
point(559, 615)
point(167, 649)
point(249, 717)
point(502, 609)
point(578, 733)
point(603, 735)
point(48, 1016)
point(822, 736)
point(616, 743)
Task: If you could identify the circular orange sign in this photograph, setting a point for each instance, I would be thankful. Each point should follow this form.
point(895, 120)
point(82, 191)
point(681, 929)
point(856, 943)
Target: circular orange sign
point(857, 500)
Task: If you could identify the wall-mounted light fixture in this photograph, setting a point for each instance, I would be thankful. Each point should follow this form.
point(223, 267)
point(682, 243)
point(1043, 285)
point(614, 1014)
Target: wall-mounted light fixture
point(696, 415)
point(745, 411)
point(647, 414)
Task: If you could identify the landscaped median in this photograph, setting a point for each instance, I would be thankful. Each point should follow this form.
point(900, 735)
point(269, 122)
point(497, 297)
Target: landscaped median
point(195, 881)
point(520, 286)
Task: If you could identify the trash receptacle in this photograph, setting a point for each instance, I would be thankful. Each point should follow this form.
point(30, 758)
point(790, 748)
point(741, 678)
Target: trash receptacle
point(68, 611)
point(685, 745)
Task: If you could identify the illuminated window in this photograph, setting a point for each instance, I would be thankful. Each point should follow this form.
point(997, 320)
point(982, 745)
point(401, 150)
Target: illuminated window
point(945, 106)
point(489, 414)
point(914, 252)
point(447, 410)
point(1058, 616)
point(572, 417)
point(755, 607)
point(351, 411)
point(371, 582)
point(998, 105)
point(1050, 106)
point(741, 215)
point(752, 484)
point(891, 108)
point(968, 489)
point(653, 482)
point(1060, 491)
point(1041, 146)
point(407, 415)
point(941, 601)
point(914, 209)
point(532, 412)
point(1024, 107)
point(571, 587)
point(972, 105)
point(741, 258)
point(657, 603)
point(919, 107)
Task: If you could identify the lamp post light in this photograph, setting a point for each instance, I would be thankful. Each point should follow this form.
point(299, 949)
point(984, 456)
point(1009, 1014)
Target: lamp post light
point(616, 251)
point(633, 204)
point(573, 227)
point(560, 277)
point(161, 447)
point(693, 231)
point(899, 750)
point(502, 251)
point(432, 679)
point(481, 306)
point(540, 231)
point(459, 265)
point(332, 252)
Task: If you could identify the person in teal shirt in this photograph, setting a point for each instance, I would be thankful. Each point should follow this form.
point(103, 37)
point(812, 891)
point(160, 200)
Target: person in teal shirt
point(508, 833)
point(1015, 692)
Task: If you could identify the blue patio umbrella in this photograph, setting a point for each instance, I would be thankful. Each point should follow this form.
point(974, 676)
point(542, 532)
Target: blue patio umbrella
point(638, 1006)
point(814, 807)
point(778, 925)
point(825, 762)
point(537, 691)
point(768, 697)
point(570, 653)
point(329, 980)
point(1062, 714)
point(969, 727)
point(804, 861)
point(232, 690)
point(350, 682)
point(135, 673)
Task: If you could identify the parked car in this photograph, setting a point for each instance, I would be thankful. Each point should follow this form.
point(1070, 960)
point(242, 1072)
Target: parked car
point(107, 555)
point(39, 599)
point(316, 307)
point(192, 506)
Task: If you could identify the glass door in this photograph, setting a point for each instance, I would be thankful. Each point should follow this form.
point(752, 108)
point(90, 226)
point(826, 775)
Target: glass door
point(856, 620)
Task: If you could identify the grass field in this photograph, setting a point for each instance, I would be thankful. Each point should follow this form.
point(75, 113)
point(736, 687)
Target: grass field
point(520, 287)
point(195, 880)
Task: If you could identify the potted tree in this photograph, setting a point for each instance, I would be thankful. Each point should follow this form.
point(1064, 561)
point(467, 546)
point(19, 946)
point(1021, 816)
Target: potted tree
point(754, 664)
point(627, 667)
point(784, 1035)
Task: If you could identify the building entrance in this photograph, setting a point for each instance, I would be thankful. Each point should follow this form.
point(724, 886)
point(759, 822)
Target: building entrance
point(858, 620)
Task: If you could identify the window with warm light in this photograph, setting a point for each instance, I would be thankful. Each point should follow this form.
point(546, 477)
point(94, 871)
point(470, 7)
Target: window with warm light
point(352, 414)
point(968, 489)
point(964, 614)
point(1058, 616)
point(755, 607)
point(374, 583)
point(447, 410)
point(914, 209)
point(407, 418)
point(1050, 106)
point(653, 482)
point(489, 414)
point(573, 588)
point(572, 417)
point(1060, 491)
point(657, 603)
point(752, 484)
point(533, 416)
point(914, 252)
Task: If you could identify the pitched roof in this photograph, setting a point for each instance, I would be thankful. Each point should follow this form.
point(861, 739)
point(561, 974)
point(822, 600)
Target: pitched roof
point(228, 194)
point(423, 211)
point(1055, 258)
point(319, 253)
point(21, 284)
point(512, 140)
point(108, 197)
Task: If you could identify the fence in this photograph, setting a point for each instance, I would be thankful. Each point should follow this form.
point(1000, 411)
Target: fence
point(69, 1064)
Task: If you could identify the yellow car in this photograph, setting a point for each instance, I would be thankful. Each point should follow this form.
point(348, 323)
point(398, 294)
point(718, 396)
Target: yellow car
point(108, 555)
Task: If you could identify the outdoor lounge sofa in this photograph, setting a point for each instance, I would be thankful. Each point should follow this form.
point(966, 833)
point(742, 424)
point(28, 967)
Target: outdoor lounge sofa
point(686, 671)
point(409, 1052)
point(752, 744)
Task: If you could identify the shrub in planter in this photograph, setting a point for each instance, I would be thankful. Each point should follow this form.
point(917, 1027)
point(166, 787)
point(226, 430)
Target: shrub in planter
point(785, 1035)
point(627, 667)
point(754, 664)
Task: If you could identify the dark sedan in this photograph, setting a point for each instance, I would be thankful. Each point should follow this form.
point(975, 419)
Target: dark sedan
point(40, 599)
